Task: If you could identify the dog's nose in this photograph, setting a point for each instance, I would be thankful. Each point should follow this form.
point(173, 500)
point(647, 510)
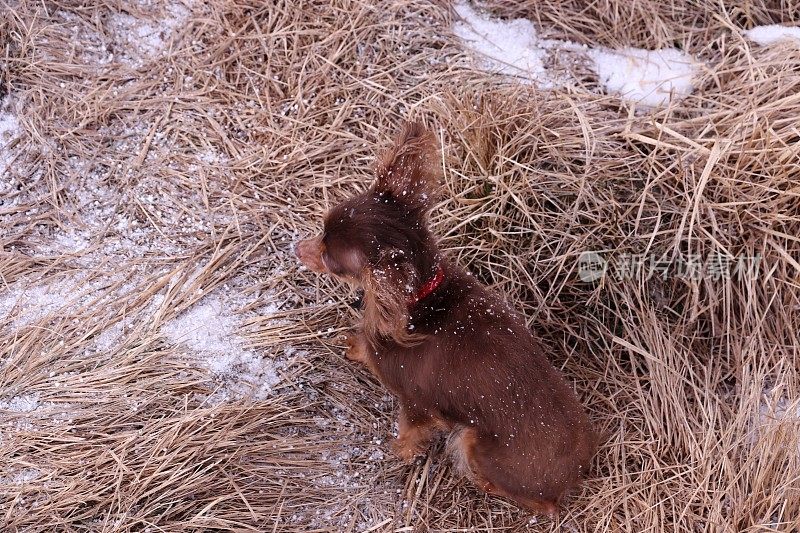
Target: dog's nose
point(301, 251)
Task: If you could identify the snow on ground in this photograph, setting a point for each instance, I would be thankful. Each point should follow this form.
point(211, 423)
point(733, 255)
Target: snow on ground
point(86, 45)
point(20, 404)
point(777, 414)
point(512, 47)
point(775, 408)
point(209, 331)
point(19, 413)
point(21, 477)
point(139, 33)
point(27, 301)
point(506, 47)
point(147, 38)
point(767, 35)
point(647, 77)
point(102, 233)
point(9, 129)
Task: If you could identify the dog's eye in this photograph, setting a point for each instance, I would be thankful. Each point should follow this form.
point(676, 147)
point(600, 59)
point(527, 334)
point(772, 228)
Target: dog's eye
point(329, 263)
point(333, 266)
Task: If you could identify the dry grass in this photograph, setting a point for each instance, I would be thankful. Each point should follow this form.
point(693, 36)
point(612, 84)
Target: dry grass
point(146, 181)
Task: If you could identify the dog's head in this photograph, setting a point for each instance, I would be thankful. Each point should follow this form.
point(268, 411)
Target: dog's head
point(379, 239)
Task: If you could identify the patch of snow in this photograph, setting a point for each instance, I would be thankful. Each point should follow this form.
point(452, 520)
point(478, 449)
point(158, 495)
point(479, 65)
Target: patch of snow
point(209, 331)
point(88, 46)
point(148, 38)
point(19, 413)
point(20, 477)
point(772, 411)
point(644, 76)
point(114, 334)
point(25, 303)
point(20, 404)
point(111, 336)
point(512, 47)
point(775, 409)
point(766, 35)
point(71, 243)
point(9, 129)
point(507, 47)
point(69, 296)
point(212, 156)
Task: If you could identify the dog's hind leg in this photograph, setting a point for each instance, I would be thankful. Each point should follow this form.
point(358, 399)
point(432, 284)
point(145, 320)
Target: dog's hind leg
point(464, 446)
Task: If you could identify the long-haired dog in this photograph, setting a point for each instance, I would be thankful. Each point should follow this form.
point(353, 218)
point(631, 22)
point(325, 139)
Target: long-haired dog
point(457, 357)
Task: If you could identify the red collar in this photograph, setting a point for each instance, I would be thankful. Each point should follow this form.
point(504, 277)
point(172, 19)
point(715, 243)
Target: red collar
point(429, 286)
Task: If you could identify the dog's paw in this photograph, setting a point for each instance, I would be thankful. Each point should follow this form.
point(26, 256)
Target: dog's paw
point(407, 450)
point(356, 348)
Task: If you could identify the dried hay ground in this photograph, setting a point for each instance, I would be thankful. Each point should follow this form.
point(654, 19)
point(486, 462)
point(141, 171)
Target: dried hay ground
point(168, 154)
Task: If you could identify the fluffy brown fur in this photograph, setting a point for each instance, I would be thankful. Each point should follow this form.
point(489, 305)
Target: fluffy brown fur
point(459, 359)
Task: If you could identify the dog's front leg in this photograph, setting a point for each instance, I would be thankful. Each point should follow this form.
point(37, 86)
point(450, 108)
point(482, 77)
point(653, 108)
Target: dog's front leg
point(414, 434)
point(359, 351)
point(357, 348)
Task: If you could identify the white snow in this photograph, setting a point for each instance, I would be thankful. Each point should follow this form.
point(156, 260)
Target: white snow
point(24, 303)
point(776, 409)
point(79, 296)
point(507, 47)
point(766, 35)
point(147, 38)
point(9, 129)
point(644, 76)
point(20, 404)
point(208, 330)
point(25, 411)
point(20, 477)
point(115, 334)
point(109, 307)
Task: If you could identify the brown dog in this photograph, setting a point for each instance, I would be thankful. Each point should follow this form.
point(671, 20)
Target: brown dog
point(455, 354)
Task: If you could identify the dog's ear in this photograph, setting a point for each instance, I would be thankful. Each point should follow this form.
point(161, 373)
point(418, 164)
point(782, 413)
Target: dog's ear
point(388, 287)
point(410, 171)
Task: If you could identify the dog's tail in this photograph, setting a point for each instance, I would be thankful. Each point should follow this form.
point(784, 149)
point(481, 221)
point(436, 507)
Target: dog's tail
point(455, 449)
